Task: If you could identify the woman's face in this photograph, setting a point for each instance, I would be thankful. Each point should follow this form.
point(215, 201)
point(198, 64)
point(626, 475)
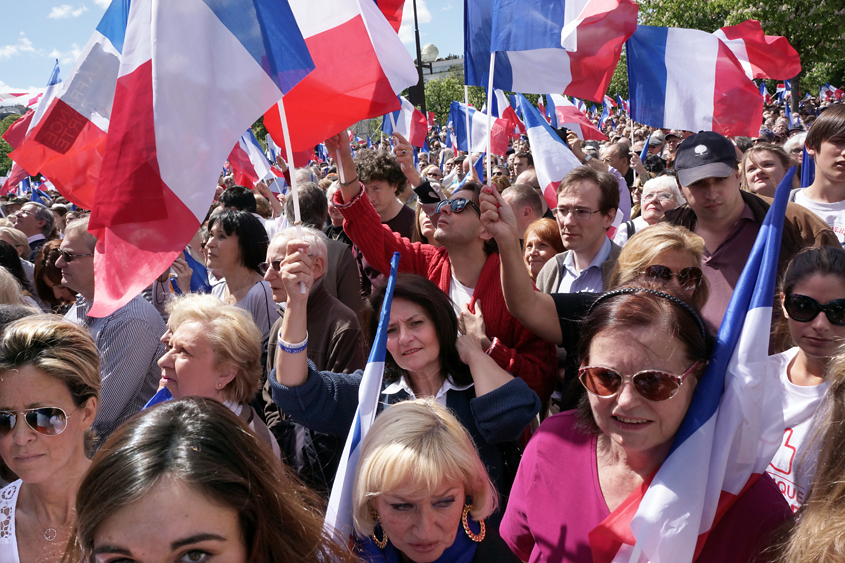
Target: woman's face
point(60, 292)
point(631, 422)
point(35, 457)
point(422, 525)
point(655, 202)
point(818, 338)
point(172, 523)
point(537, 252)
point(412, 339)
point(426, 227)
point(189, 367)
point(763, 173)
point(222, 250)
point(677, 260)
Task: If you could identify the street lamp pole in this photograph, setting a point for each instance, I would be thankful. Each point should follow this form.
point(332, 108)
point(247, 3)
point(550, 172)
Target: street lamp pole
point(419, 62)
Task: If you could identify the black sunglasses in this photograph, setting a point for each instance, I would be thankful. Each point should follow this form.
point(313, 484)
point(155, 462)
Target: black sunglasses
point(457, 205)
point(49, 421)
point(688, 278)
point(652, 385)
point(804, 309)
point(275, 264)
point(68, 257)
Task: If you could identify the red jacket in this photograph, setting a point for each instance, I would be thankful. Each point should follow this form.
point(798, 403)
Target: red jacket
point(516, 349)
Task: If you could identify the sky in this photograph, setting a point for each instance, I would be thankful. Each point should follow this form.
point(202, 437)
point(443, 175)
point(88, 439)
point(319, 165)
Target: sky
point(37, 32)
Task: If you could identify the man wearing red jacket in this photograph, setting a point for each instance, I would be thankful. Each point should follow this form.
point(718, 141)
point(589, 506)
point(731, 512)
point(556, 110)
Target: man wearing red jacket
point(466, 267)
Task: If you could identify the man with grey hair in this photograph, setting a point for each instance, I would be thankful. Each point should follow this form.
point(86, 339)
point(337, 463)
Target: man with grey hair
point(128, 339)
point(35, 220)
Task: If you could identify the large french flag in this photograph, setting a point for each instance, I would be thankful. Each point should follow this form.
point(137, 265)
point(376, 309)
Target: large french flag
point(544, 46)
point(732, 428)
point(361, 67)
point(689, 79)
point(174, 120)
point(569, 116)
point(761, 55)
point(339, 511)
point(66, 144)
point(410, 123)
point(249, 165)
point(478, 130)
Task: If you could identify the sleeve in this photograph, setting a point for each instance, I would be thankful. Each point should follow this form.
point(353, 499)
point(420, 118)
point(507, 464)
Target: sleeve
point(325, 403)
point(504, 413)
point(548, 275)
point(515, 528)
point(572, 308)
point(345, 352)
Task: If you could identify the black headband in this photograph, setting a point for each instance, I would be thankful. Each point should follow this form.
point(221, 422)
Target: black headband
point(672, 298)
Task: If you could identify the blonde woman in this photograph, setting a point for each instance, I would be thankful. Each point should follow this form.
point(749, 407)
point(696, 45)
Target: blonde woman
point(11, 292)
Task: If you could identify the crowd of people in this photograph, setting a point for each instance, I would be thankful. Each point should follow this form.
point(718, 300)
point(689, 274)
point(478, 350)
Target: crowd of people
point(542, 352)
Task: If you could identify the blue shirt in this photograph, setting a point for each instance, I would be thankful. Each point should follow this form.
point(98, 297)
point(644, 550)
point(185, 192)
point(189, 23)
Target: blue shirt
point(589, 279)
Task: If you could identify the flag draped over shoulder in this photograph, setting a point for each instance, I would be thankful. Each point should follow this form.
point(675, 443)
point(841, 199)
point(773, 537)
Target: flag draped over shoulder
point(339, 511)
point(173, 122)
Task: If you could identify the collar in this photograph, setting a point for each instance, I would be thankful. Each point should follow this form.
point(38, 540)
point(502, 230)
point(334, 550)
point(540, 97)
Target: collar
point(402, 385)
point(34, 238)
point(600, 258)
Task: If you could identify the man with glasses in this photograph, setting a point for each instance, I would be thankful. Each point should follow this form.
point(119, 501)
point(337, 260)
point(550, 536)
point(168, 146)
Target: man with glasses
point(466, 267)
point(128, 339)
point(586, 206)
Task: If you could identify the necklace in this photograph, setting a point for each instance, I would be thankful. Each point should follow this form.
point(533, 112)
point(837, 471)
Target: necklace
point(50, 534)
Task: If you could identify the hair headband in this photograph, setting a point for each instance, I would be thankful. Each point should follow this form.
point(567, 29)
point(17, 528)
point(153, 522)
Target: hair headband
point(672, 298)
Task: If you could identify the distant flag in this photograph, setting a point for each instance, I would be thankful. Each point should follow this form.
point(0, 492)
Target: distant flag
point(623, 104)
point(550, 112)
point(503, 108)
point(273, 149)
point(430, 118)
point(609, 102)
point(478, 123)
point(38, 196)
point(792, 119)
point(369, 142)
point(807, 96)
point(644, 153)
point(410, 123)
point(339, 511)
point(424, 148)
point(478, 165)
point(761, 56)
point(249, 164)
point(767, 98)
point(322, 153)
point(605, 115)
point(569, 116)
point(808, 169)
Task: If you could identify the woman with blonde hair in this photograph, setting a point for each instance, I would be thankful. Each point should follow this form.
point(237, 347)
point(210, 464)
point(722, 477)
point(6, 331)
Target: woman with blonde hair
point(214, 351)
point(49, 391)
point(421, 492)
point(763, 167)
point(11, 292)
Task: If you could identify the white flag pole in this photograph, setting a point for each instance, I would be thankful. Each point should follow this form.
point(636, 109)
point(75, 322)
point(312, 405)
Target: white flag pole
point(293, 191)
point(490, 118)
point(469, 128)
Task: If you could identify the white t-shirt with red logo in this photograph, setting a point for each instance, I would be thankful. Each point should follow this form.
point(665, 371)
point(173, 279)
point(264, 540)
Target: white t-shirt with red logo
point(832, 213)
point(794, 464)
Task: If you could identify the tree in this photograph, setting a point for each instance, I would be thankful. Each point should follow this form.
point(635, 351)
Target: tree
point(5, 148)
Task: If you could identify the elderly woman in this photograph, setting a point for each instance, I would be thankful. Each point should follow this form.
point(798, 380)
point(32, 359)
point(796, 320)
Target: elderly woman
point(214, 351)
point(49, 388)
point(187, 481)
point(763, 167)
point(542, 243)
point(659, 195)
point(642, 352)
point(421, 493)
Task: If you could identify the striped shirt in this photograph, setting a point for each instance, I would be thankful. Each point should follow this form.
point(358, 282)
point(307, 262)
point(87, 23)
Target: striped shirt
point(129, 345)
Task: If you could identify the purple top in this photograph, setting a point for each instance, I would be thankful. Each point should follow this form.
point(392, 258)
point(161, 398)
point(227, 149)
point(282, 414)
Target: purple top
point(556, 501)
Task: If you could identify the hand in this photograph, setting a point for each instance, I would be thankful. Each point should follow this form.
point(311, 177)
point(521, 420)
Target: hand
point(183, 274)
point(637, 165)
point(575, 145)
point(262, 189)
point(497, 216)
point(296, 270)
point(280, 162)
point(404, 153)
point(472, 324)
point(468, 345)
point(341, 142)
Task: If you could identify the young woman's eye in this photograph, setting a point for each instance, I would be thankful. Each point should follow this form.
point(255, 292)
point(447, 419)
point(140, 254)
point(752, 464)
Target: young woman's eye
point(194, 556)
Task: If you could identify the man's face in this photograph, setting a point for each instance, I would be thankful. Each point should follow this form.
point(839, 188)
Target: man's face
point(448, 165)
point(520, 165)
point(582, 234)
point(610, 156)
point(26, 222)
point(830, 159)
point(714, 199)
point(382, 195)
point(455, 229)
point(77, 275)
point(276, 251)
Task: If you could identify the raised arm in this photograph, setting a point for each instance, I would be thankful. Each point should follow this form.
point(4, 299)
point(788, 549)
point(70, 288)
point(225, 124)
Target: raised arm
point(292, 365)
point(349, 186)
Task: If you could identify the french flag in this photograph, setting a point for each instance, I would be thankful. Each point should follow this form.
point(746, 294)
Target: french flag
point(609, 102)
point(622, 103)
point(392, 10)
point(828, 92)
point(767, 98)
point(605, 115)
point(339, 511)
point(174, 121)
point(503, 108)
point(249, 165)
point(761, 55)
point(478, 133)
point(546, 46)
point(410, 123)
point(732, 429)
point(549, 111)
point(569, 116)
point(361, 67)
point(689, 79)
point(67, 143)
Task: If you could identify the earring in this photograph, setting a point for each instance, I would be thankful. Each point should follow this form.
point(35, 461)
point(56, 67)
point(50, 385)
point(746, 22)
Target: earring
point(380, 543)
point(220, 386)
point(474, 537)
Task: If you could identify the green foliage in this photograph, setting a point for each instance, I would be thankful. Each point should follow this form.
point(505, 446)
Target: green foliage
point(707, 15)
point(619, 81)
point(260, 132)
point(5, 148)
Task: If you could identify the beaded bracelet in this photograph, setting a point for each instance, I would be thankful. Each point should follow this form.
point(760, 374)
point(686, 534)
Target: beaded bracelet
point(293, 348)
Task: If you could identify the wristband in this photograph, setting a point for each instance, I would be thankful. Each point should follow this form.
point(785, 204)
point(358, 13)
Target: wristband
point(346, 184)
point(293, 348)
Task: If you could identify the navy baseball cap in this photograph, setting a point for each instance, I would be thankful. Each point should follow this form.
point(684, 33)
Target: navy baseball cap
point(705, 155)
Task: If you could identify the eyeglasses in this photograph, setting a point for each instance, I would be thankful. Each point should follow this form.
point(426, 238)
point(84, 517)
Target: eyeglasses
point(652, 385)
point(457, 205)
point(804, 309)
point(275, 264)
point(580, 214)
point(499, 173)
point(660, 196)
point(688, 278)
point(50, 421)
point(68, 257)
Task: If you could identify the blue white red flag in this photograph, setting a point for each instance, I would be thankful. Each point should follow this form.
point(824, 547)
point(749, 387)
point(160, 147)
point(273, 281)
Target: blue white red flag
point(828, 92)
point(623, 104)
point(732, 429)
point(761, 55)
point(569, 116)
point(173, 122)
point(248, 162)
point(478, 165)
point(605, 115)
point(689, 79)
point(339, 511)
point(503, 108)
point(550, 112)
point(609, 102)
point(478, 125)
point(767, 98)
point(546, 46)
point(410, 123)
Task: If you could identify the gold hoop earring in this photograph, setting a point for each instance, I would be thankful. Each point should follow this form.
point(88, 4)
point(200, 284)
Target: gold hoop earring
point(474, 537)
point(380, 543)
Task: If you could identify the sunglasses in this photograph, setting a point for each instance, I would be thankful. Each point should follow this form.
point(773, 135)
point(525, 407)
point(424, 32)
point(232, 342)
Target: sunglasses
point(265, 266)
point(499, 173)
point(804, 309)
point(457, 205)
point(68, 257)
point(50, 421)
point(652, 385)
point(688, 278)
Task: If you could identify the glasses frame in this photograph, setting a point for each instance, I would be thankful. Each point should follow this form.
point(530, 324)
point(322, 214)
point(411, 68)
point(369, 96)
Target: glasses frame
point(68, 257)
point(827, 308)
point(679, 379)
point(561, 213)
point(264, 267)
point(684, 273)
point(26, 413)
point(457, 205)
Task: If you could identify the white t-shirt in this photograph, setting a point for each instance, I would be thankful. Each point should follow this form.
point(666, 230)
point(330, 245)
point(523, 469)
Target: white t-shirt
point(8, 539)
point(794, 464)
point(460, 294)
point(832, 213)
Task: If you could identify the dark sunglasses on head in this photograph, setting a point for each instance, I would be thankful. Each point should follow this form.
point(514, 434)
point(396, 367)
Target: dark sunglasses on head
point(688, 278)
point(68, 257)
point(457, 205)
point(275, 264)
point(50, 421)
point(804, 309)
point(652, 385)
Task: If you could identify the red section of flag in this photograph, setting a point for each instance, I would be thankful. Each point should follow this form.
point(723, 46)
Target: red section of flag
point(430, 119)
point(737, 104)
point(242, 167)
point(16, 176)
point(16, 132)
point(607, 538)
point(770, 56)
point(392, 10)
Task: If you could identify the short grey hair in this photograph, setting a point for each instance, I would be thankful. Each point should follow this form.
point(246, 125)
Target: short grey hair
point(43, 213)
point(79, 227)
point(313, 237)
point(795, 141)
point(666, 183)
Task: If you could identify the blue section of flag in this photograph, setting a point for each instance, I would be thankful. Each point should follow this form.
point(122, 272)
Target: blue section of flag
point(808, 169)
point(199, 277)
point(478, 27)
point(268, 31)
point(550, 111)
point(54, 76)
point(647, 75)
point(161, 396)
point(387, 123)
point(479, 168)
point(644, 153)
point(527, 25)
point(113, 24)
point(36, 197)
point(377, 354)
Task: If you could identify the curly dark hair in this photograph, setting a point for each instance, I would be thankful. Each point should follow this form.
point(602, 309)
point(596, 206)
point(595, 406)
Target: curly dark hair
point(374, 166)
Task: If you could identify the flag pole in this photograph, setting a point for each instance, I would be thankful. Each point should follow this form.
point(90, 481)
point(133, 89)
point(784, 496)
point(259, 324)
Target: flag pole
point(297, 220)
point(631, 125)
point(490, 118)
